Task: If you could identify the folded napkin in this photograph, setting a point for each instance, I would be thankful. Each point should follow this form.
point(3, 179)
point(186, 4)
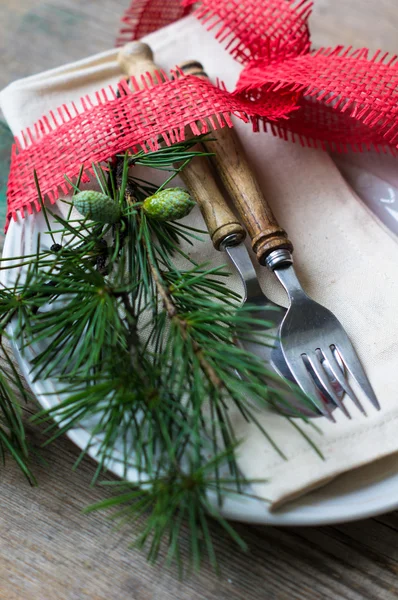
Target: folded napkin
point(344, 258)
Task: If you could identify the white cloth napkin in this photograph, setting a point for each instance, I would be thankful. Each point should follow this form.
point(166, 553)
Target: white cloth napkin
point(344, 258)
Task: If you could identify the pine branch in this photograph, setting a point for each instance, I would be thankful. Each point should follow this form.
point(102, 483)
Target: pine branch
point(13, 441)
point(170, 505)
point(143, 353)
point(172, 313)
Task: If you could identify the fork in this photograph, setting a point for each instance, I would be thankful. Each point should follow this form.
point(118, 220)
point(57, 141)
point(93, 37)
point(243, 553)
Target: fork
point(311, 333)
point(313, 340)
point(227, 233)
point(312, 357)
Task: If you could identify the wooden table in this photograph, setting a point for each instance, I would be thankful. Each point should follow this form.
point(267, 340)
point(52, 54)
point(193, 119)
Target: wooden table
point(48, 549)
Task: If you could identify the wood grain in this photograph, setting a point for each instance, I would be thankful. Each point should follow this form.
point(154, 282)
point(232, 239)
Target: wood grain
point(137, 59)
point(219, 218)
point(239, 180)
point(241, 184)
point(48, 549)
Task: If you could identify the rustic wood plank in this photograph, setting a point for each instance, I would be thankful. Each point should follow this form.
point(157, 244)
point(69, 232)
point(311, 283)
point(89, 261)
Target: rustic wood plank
point(357, 23)
point(37, 35)
point(51, 551)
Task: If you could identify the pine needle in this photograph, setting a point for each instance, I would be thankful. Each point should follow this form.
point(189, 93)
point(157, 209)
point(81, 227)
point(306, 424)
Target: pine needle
point(141, 340)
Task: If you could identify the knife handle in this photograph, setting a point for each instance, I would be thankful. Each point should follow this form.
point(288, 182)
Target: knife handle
point(136, 58)
point(219, 218)
point(241, 184)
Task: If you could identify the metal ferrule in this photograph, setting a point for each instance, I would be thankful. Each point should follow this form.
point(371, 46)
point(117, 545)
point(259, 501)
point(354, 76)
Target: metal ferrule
point(278, 259)
point(231, 240)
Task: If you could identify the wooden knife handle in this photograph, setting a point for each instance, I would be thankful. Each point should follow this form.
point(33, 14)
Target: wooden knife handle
point(135, 59)
point(241, 184)
point(219, 218)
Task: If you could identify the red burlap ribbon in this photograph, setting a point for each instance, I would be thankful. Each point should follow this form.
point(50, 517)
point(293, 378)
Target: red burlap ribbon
point(332, 98)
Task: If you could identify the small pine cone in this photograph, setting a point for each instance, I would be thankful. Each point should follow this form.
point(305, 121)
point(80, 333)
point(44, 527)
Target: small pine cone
point(169, 204)
point(97, 206)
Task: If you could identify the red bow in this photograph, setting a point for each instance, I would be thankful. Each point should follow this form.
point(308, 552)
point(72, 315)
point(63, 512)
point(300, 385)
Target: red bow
point(335, 98)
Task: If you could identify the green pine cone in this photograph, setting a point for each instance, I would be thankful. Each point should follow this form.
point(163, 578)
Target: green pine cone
point(169, 204)
point(97, 206)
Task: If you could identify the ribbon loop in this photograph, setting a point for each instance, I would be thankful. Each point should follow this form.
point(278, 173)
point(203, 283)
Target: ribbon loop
point(333, 98)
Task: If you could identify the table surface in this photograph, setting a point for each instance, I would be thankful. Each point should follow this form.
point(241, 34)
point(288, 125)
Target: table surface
point(48, 549)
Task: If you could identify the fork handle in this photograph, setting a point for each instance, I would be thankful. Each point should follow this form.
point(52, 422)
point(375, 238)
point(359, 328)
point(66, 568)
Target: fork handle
point(242, 186)
point(136, 59)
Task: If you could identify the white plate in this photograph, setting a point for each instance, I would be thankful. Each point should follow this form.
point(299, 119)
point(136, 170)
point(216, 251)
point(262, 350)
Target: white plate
point(370, 491)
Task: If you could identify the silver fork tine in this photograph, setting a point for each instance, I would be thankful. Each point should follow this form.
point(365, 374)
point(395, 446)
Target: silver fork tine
point(321, 374)
point(340, 377)
point(309, 326)
point(351, 361)
point(309, 388)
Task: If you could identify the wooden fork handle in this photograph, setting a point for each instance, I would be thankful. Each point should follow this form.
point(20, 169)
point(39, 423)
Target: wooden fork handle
point(136, 59)
point(241, 184)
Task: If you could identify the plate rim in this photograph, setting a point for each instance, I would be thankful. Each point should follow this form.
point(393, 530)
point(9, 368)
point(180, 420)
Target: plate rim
point(305, 511)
